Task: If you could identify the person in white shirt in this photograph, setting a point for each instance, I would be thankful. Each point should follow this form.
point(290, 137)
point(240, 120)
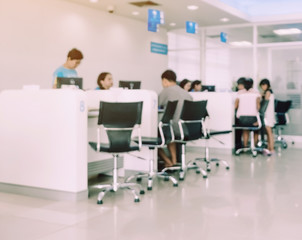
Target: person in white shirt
point(247, 105)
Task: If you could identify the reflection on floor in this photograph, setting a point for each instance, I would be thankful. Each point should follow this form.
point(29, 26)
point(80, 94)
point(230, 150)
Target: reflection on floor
point(257, 199)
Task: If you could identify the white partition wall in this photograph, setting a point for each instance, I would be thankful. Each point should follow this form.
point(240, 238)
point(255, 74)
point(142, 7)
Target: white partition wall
point(220, 107)
point(43, 143)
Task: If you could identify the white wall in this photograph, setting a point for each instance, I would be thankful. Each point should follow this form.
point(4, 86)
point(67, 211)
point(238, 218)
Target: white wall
point(36, 36)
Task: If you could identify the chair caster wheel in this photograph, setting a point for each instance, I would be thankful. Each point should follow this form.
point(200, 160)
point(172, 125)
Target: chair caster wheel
point(217, 164)
point(111, 190)
point(142, 192)
point(175, 185)
point(136, 200)
point(284, 146)
point(149, 188)
point(166, 179)
point(254, 155)
point(227, 168)
point(139, 179)
point(99, 202)
point(181, 179)
point(208, 170)
point(197, 172)
point(205, 176)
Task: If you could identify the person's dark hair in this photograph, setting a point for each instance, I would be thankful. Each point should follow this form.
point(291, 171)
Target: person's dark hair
point(183, 83)
point(248, 83)
point(265, 81)
point(169, 75)
point(75, 54)
point(194, 83)
point(241, 80)
point(101, 77)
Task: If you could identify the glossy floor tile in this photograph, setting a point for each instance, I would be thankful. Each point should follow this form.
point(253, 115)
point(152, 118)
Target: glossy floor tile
point(257, 199)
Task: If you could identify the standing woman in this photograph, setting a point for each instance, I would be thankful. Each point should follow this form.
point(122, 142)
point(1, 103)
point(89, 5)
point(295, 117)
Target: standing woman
point(105, 81)
point(269, 115)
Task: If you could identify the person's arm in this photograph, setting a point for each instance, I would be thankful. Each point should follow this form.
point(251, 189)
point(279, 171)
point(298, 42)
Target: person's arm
point(54, 86)
point(258, 103)
point(267, 95)
point(162, 100)
point(236, 103)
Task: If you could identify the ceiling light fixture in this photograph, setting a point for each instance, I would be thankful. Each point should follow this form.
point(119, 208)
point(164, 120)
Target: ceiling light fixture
point(135, 13)
point(287, 31)
point(192, 7)
point(94, 1)
point(172, 24)
point(241, 44)
point(224, 19)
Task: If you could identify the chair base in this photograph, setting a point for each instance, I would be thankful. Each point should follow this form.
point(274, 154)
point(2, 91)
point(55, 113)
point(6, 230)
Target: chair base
point(183, 167)
point(115, 187)
point(281, 140)
point(254, 151)
point(151, 176)
point(208, 162)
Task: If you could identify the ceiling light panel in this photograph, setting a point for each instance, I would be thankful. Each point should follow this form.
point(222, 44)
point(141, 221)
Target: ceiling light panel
point(287, 31)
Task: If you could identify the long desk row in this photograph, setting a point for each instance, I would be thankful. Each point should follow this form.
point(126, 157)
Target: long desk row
point(44, 137)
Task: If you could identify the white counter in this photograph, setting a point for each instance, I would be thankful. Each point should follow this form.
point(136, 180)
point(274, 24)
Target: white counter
point(43, 142)
point(220, 107)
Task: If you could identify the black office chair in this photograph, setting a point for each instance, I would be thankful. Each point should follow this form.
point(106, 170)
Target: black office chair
point(165, 135)
point(247, 123)
point(208, 134)
point(190, 126)
point(119, 120)
point(282, 119)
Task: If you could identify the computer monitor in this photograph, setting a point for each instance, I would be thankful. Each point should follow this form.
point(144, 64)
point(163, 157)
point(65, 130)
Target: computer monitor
point(209, 88)
point(70, 82)
point(130, 84)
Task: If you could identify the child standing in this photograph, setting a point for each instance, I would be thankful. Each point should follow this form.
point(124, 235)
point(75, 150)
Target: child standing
point(269, 115)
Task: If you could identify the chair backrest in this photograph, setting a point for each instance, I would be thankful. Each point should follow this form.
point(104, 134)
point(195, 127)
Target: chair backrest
point(119, 120)
point(282, 106)
point(120, 114)
point(191, 119)
point(165, 129)
point(169, 112)
point(281, 109)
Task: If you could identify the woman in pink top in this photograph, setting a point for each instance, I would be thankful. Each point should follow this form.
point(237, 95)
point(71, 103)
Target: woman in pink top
point(247, 104)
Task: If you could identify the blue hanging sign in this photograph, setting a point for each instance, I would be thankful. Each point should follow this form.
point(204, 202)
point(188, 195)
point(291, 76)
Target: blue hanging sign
point(159, 48)
point(191, 27)
point(152, 27)
point(155, 17)
point(223, 37)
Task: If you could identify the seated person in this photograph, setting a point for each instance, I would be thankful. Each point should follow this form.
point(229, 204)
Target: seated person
point(185, 84)
point(195, 86)
point(73, 60)
point(247, 105)
point(172, 92)
point(104, 81)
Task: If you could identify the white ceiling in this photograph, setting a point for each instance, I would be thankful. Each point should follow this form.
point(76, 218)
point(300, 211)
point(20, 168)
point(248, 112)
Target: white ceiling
point(174, 11)
point(209, 13)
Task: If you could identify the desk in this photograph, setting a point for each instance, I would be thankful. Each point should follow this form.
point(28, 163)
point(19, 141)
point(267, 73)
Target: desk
point(43, 143)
